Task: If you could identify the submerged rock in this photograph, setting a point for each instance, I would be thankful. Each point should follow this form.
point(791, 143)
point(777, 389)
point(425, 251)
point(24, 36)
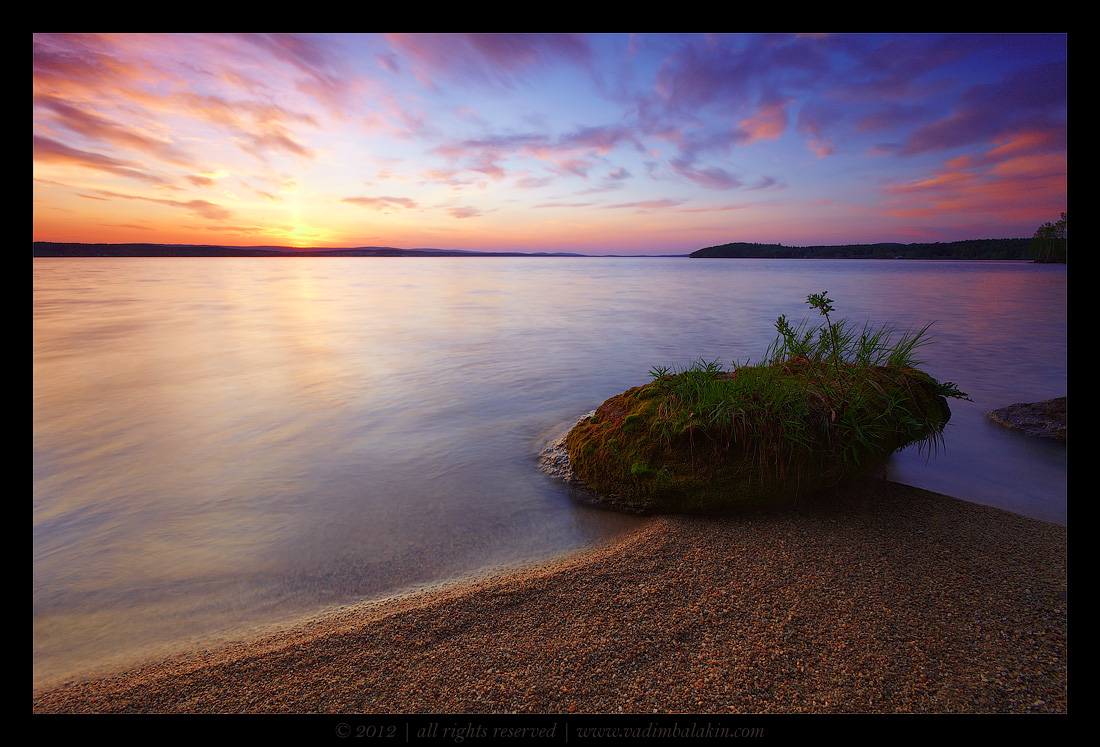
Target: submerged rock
point(554, 459)
point(641, 451)
point(1045, 419)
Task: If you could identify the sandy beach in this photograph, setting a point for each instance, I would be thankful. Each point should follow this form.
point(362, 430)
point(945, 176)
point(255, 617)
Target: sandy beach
point(890, 600)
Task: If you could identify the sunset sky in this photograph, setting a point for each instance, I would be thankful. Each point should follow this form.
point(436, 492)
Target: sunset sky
point(601, 143)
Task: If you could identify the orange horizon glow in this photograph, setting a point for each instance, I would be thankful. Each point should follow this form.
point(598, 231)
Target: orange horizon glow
point(516, 143)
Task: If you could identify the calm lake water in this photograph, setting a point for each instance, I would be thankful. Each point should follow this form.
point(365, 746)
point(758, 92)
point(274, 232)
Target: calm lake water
point(224, 443)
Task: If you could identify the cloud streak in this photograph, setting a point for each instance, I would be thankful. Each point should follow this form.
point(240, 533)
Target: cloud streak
point(484, 60)
point(381, 204)
point(45, 150)
point(904, 133)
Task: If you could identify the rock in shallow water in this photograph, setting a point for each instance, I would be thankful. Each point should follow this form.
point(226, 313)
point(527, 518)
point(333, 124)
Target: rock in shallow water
point(634, 454)
point(1045, 419)
point(554, 459)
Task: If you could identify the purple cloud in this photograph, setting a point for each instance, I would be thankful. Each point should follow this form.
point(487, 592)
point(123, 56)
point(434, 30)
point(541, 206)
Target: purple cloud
point(601, 139)
point(710, 177)
point(574, 153)
point(1031, 99)
point(739, 71)
point(382, 204)
point(647, 204)
point(320, 64)
point(493, 59)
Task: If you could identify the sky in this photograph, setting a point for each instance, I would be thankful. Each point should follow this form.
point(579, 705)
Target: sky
point(590, 143)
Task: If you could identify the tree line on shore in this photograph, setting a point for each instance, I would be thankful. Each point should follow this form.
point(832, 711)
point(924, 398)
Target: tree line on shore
point(1051, 240)
point(1020, 249)
point(1047, 245)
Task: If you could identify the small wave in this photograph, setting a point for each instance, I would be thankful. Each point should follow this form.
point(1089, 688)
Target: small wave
point(554, 458)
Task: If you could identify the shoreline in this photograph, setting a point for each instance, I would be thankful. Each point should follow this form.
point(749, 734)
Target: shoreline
point(892, 599)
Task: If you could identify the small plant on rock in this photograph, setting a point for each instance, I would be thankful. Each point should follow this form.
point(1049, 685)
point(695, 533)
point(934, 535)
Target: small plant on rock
point(826, 403)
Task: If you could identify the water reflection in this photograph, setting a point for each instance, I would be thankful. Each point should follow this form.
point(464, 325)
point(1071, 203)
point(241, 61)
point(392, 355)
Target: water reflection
point(220, 442)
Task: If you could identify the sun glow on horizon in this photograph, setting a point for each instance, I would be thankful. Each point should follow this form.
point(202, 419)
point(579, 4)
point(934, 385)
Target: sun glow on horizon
point(545, 142)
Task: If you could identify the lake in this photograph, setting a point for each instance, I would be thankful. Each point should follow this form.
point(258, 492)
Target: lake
point(223, 443)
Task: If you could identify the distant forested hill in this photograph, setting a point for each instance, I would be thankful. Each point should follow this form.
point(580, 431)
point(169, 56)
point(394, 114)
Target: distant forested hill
point(973, 249)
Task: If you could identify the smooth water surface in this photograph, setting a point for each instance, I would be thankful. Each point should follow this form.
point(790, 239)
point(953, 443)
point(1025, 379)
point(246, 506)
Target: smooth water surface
point(227, 442)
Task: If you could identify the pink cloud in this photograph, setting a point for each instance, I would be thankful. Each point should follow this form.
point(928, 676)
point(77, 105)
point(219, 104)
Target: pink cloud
point(260, 126)
point(94, 126)
point(768, 123)
point(79, 64)
point(198, 208)
point(575, 166)
point(46, 150)
point(75, 74)
point(1012, 181)
point(464, 212)
point(382, 204)
point(531, 182)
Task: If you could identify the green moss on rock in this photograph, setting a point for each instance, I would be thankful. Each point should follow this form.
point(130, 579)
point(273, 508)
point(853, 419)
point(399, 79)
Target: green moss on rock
point(753, 436)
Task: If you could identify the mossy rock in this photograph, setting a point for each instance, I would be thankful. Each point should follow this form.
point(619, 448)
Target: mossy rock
point(635, 454)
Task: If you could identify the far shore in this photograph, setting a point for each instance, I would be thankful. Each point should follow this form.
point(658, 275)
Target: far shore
point(889, 599)
point(969, 250)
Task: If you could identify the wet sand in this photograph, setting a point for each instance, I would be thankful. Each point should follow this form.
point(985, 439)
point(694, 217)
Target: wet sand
point(890, 600)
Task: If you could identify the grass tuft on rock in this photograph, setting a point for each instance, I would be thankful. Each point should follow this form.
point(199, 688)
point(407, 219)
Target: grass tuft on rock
point(826, 404)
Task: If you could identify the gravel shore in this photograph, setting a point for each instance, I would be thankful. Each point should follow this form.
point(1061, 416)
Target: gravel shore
point(892, 600)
